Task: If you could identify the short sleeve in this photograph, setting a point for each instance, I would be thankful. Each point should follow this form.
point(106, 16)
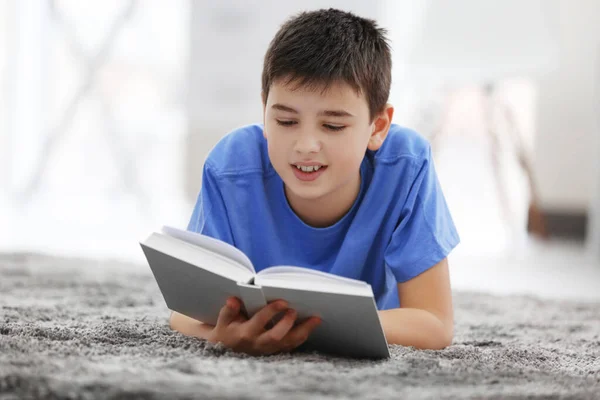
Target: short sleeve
point(425, 233)
point(209, 216)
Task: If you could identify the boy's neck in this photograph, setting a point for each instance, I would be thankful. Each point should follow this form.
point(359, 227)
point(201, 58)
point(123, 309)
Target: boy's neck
point(327, 210)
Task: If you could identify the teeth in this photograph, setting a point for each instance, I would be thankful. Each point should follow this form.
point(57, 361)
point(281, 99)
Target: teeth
point(308, 169)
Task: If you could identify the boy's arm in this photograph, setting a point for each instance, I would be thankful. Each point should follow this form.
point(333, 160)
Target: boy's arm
point(425, 319)
point(189, 326)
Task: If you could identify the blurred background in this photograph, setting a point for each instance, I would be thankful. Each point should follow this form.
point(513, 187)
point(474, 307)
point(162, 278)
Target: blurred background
point(108, 109)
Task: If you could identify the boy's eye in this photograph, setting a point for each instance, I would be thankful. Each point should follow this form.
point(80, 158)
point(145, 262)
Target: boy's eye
point(334, 127)
point(285, 123)
point(326, 126)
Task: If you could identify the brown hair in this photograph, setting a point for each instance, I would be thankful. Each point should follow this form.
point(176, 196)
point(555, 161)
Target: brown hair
point(321, 47)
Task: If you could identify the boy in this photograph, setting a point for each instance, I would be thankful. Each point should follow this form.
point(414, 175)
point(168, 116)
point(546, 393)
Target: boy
point(327, 182)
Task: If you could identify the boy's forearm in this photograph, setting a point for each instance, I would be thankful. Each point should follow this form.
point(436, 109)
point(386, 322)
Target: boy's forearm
point(404, 326)
point(189, 326)
point(414, 327)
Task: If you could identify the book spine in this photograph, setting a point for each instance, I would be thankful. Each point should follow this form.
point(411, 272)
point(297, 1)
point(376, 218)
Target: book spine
point(252, 297)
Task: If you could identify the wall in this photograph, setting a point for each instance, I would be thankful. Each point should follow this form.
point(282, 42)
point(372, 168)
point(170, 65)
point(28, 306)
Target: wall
point(568, 116)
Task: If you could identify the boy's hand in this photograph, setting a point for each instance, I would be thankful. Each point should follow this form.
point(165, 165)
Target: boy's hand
point(250, 336)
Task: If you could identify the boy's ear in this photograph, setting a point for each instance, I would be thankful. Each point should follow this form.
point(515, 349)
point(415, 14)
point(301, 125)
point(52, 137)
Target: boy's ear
point(381, 126)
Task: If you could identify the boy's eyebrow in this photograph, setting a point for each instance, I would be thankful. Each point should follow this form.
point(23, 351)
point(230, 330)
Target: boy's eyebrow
point(327, 113)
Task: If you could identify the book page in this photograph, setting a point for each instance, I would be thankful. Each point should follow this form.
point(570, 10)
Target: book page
point(199, 257)
point(212, 244)
point(310, 279)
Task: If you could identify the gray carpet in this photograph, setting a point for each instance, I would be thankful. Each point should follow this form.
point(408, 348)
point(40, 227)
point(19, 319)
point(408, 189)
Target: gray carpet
point(88, 329)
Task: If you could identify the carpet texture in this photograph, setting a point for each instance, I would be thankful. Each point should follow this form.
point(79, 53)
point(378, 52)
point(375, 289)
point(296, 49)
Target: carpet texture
point(82, 329)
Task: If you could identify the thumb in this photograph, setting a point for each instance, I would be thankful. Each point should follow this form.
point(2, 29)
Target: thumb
point(229, 312)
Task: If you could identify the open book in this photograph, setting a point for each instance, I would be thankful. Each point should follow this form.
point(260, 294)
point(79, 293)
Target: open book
point(197, 273)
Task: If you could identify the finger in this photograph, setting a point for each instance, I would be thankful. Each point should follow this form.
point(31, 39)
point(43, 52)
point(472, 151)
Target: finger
point(278, 332)
point(257, 323)
point(301, 333)
point(229, 312)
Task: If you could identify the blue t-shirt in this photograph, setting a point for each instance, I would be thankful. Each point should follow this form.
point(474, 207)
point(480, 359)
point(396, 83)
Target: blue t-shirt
point(398, 227)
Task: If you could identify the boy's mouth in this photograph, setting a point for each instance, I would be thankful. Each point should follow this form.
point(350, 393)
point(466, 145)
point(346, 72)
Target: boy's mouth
point(310, 167)
point(308, 171)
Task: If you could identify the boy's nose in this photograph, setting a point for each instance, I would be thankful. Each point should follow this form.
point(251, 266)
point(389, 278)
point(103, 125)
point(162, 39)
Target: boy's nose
point(308, 143)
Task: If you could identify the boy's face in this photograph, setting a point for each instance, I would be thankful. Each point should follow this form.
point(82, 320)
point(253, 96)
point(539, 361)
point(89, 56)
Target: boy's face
point(324, 132)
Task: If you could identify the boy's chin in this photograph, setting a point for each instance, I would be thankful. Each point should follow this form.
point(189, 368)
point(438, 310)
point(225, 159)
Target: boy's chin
point(302, 192)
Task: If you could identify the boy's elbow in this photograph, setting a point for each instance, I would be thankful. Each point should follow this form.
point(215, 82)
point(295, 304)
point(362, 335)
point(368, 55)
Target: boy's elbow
point(446, 338)
point(442, 338)
point(439, 343)
point(436, 340)
point(174, 321)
